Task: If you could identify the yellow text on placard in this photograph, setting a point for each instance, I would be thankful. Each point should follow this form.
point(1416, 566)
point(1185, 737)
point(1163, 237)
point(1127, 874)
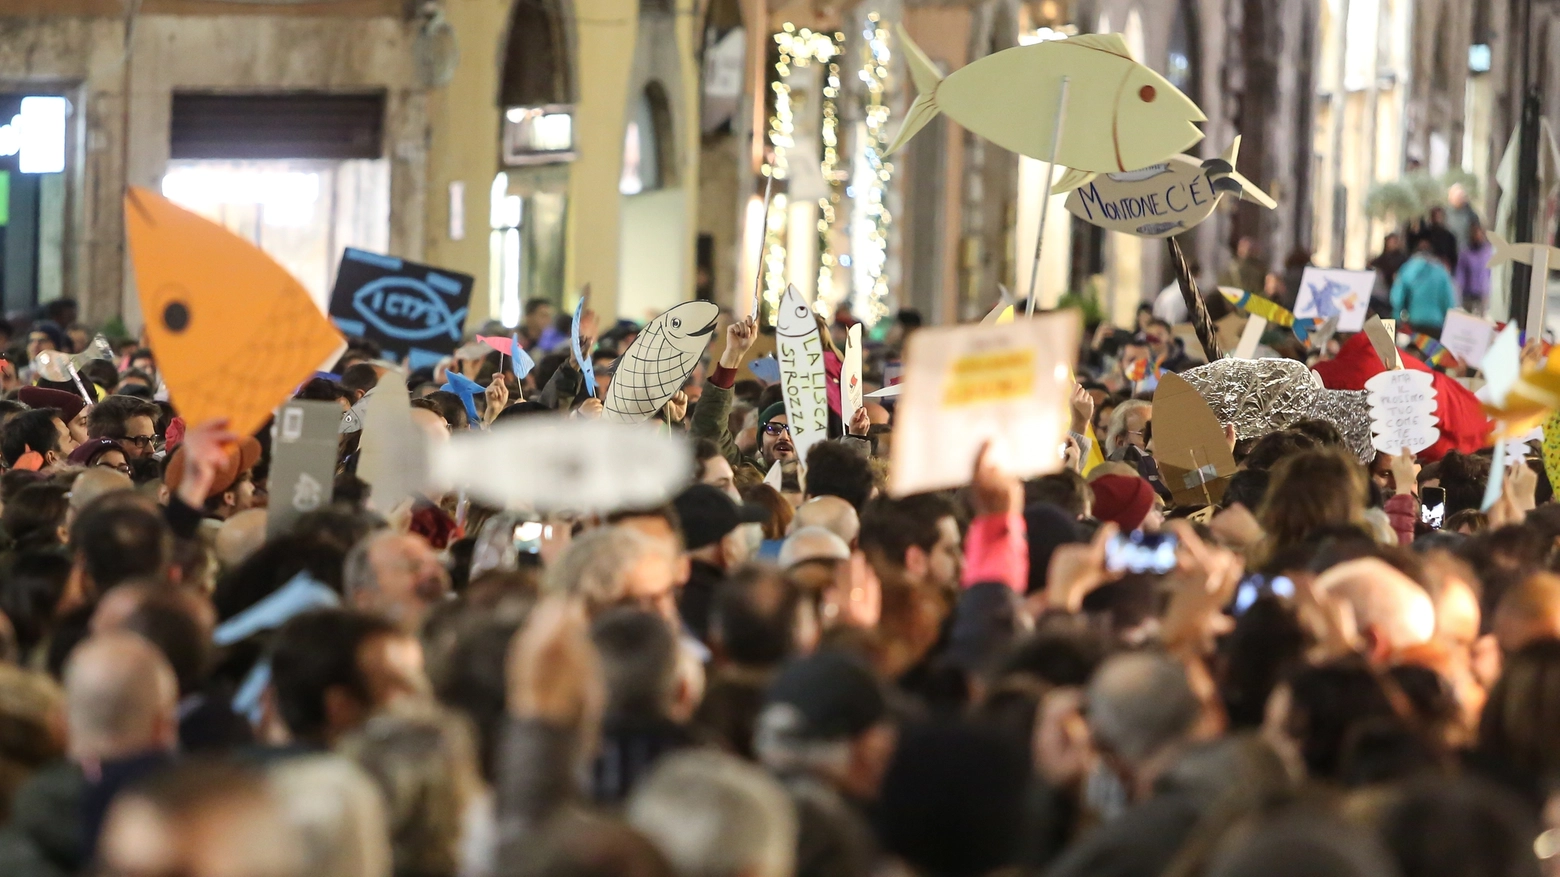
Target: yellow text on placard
point(981, 378)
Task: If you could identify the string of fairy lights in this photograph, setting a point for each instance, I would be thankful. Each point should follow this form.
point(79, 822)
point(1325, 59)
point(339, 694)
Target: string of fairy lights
point(800, 47)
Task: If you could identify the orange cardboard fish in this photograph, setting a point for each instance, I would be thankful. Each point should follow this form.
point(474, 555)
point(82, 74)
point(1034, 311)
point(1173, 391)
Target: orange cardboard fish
point(234, 333)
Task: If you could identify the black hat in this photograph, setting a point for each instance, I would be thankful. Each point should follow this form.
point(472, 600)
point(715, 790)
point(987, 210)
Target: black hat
point(834, 695)
point(708, 514)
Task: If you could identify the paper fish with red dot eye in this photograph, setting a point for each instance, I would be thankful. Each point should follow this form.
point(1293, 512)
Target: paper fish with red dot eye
point(234, 333)
point(1119, 115)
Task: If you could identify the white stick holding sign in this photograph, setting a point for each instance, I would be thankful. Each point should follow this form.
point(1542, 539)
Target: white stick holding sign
point(967, 385)
point(1334, 292)
point(1538, 293)
point(850, 376)
point(1402, 411)
point(1250, 337)
point(1045, 196)
point(802, 374)
point(763, 236)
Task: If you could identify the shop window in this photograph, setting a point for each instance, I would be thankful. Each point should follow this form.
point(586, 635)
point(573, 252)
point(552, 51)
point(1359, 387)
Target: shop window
point(33, 154)
point(646, 144)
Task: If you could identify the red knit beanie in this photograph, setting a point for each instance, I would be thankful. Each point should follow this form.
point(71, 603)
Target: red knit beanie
point(1123, 499)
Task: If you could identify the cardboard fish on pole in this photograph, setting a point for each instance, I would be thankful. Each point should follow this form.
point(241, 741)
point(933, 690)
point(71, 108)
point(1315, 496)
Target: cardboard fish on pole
point(659, 361)
point(553, 464)
point(1194, 458)
point(967, 385)
point(850, 376)
point(415, 311)
point(1163, 199)
point(1118, 115)
point(235, 334)
point(802, 373)
point(1541, 257)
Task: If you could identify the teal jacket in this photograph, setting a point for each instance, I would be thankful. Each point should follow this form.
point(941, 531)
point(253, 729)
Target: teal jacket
point(1423, 288)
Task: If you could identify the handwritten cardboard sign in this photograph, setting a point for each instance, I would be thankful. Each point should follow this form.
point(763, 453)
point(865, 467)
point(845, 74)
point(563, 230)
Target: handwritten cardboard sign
point(1402, 411)
point(967, 385)
point(415, 311)
point(802, 373)
point(1467, 337)
point(1335, 292)
point(1156, 202)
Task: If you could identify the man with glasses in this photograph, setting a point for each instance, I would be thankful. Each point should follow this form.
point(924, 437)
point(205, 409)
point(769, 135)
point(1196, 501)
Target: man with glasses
point(128, 420)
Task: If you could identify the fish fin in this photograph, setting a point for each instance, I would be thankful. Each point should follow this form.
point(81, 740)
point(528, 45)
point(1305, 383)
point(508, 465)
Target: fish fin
point(1113, 43)
point(922, 68)
point(922, 111)
point(1503, 253)
point(1251, 192)
point(1232, 151)
point(1071, 179)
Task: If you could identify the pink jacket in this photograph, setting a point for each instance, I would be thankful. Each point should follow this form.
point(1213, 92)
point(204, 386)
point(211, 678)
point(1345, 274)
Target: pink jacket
point(1403, 512)
point(996, 549)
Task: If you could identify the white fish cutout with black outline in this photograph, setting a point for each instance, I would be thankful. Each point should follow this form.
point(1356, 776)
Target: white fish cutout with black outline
point(659, 361)
point(802, 374)
point(1120, 116)
point(850, 376)
point(556, 464)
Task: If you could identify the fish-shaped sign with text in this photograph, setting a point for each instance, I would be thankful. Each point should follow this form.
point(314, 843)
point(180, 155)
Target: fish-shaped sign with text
point(415, 311)
point(1163, 199)
point(850, 376)
point(659, 361)
point(802, 374)
point(1402, 411)
point(235, 334)
point(1119, 114)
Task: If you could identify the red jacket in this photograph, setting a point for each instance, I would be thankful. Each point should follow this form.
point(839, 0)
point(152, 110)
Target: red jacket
point(1463, 424)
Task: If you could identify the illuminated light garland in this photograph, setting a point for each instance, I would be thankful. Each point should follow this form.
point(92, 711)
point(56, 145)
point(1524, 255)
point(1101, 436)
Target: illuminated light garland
point(828, 298)
point(873, 175)
point(799, 48)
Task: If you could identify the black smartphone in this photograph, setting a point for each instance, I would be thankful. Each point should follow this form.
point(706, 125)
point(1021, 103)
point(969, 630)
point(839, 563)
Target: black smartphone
point(1432, 506)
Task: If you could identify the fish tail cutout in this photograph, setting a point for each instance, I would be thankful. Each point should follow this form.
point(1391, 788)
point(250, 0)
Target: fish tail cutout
point(1250, 191)
point(925, 108)
point(1503, 250)
point(1232, 151)
point(1071, 179)
point(1112, 43)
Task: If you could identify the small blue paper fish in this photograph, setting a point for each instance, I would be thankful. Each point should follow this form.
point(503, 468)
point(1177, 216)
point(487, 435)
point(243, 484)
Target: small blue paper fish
point(466, 389)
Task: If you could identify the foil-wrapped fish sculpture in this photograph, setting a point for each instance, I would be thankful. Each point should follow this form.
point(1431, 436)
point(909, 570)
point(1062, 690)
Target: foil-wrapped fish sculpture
point(659, 361)
point(1261, 396)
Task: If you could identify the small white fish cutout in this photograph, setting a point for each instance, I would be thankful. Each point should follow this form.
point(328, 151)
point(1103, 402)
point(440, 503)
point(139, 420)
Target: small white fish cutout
point(555, 464)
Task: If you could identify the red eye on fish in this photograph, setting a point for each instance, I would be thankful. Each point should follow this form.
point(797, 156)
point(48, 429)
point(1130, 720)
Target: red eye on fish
point(1147, 94)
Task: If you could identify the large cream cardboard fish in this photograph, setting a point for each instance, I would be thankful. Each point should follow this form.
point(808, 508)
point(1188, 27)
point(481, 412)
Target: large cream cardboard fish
point(802, 374)
point(1163, 199)
point(659, 361)
point(1119, 114)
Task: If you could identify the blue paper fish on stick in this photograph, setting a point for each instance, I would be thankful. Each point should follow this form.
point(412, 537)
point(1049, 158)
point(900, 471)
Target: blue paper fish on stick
point(1119, 115)
point(586, 371)
point(466, 389)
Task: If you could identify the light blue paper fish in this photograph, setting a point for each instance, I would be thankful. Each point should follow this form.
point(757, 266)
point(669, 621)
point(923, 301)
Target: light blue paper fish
point(579, 352)
point(466, 389)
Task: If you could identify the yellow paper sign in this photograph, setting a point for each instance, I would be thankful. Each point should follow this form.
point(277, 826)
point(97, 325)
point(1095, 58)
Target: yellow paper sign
point(990, 377)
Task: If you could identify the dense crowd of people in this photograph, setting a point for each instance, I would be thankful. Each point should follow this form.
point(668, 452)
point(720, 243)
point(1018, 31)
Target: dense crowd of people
point(1076, 674)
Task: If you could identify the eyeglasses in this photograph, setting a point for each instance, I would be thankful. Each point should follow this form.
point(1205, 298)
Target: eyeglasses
point(140, 441)
point(775, 427)
point(121, 467)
